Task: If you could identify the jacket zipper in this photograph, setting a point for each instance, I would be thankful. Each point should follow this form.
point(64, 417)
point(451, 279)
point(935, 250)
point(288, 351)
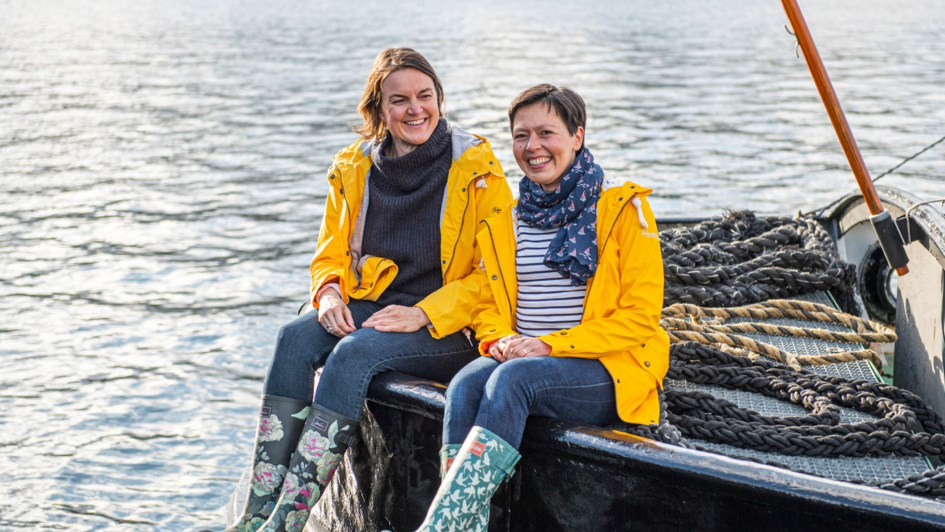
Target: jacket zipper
point(602, 250)
point(461, 224)
point(344, 197)
point(499, 266)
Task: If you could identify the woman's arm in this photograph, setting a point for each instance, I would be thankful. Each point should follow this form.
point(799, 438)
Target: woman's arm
point(487, 321)
point(640, 300)
point(328, 263)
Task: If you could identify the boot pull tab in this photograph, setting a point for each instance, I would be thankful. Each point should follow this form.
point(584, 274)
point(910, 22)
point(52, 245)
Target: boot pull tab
point(639, 205)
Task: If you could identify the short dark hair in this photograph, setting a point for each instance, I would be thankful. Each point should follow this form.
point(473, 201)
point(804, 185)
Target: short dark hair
point(387, 62)
point(568, 105)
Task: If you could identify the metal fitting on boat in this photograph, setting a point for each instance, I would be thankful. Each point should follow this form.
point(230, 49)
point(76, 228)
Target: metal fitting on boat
point(890, 239)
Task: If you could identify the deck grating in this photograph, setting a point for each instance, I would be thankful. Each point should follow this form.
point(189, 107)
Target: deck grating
point(868, 469)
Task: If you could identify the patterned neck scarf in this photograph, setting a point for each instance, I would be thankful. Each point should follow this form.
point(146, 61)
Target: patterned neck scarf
point(573, 208)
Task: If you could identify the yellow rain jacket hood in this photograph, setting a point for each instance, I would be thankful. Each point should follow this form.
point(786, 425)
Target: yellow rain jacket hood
point(475, 189)
point(620, 325)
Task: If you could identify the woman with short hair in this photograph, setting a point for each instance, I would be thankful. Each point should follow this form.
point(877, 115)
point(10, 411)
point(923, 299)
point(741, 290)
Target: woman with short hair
point(568, 320)
point(392, 280)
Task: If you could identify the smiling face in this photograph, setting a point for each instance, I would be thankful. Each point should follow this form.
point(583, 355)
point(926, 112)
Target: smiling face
point(409, 109)
point(543, 147)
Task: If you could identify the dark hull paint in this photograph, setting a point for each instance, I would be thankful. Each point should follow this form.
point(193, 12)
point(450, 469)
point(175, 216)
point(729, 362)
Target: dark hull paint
point(574, 478)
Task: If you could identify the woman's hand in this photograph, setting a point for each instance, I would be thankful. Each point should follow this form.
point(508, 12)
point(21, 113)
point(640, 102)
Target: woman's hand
point(497, 349)
point(395, 318)
point(334, 315)
point(525, 346)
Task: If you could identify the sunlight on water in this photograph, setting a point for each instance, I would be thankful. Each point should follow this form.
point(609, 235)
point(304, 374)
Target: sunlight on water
point(162, 180)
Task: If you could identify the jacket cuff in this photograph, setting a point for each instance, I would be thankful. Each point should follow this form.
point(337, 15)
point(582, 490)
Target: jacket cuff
point(490, 337)
point(437, 324)
point(561, 344)
point(324, 288)
point(330, 281)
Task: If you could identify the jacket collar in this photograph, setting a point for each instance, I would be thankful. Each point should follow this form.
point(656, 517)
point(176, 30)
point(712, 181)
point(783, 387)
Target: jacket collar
point(616, 188)
point(615, 192)
point(501, 233)
point(471, 154)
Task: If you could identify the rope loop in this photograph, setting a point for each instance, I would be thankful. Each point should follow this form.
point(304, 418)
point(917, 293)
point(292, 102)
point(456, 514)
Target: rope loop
point(742, 259)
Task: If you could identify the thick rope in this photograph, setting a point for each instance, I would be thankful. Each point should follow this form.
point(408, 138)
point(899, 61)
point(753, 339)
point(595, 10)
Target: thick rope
point(708, 328)
point(743, 259)
point(820, 433)
point(743, 266)
point(701, 415)
point(790, 309)
point(682, 331)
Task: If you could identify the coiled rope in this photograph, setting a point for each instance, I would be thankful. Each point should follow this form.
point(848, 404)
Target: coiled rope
point(744, 266)
point(820, 433)
point(744, 259)
point(904, 425)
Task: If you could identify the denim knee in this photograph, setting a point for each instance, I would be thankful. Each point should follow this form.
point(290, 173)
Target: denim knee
point(462, 392)
point(510, 382)
point(349, 357)
point(303, 339)
point(288, 335)
point(463, 398)
point(300, 347)
point(505, 402)
point(348, 370)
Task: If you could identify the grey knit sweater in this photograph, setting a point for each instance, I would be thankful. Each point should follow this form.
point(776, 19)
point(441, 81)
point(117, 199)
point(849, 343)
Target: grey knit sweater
point(403, 219)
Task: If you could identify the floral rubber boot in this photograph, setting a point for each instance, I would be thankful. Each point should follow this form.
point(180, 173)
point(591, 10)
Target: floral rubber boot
point(326, 438)
point(484, 461)
point(281, 421)
point(447, 456)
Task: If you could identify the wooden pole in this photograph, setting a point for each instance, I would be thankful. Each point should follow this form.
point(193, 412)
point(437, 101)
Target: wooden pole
point(839, 120)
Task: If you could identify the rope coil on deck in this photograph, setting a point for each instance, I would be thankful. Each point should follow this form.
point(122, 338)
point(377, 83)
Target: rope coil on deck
point(904, 425)
point(745, 267)
point(744, 259)
point(820, 433)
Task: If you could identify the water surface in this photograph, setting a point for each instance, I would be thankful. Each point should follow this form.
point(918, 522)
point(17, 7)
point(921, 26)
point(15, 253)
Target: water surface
point(162, 182)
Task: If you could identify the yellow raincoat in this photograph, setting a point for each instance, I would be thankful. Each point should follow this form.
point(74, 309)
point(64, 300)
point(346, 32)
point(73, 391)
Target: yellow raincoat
point(475, 189)
point(620, 325)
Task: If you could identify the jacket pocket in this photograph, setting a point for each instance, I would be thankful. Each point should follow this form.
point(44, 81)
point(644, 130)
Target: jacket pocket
point(653, 354)
point(377, 273)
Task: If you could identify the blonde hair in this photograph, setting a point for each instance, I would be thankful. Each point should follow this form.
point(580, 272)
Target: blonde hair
point(387, 62)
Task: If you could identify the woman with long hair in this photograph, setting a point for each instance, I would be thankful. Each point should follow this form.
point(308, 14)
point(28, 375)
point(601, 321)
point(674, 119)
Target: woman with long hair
point(392, 281)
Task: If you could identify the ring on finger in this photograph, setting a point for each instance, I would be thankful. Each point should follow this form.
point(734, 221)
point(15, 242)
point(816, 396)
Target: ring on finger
point(328, 328)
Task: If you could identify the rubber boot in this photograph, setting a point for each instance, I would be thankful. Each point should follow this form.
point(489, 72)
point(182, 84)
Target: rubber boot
point(326, 438)
point(484, 461)
point(447, 456)
point(281, 421)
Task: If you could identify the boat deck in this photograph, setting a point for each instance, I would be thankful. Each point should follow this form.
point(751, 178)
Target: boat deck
point(868, 469)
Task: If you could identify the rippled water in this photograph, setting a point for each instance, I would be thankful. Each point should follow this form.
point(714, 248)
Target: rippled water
point(161, 186)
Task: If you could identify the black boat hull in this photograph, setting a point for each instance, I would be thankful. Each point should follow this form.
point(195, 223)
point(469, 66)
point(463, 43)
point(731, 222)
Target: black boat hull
point(574, 478)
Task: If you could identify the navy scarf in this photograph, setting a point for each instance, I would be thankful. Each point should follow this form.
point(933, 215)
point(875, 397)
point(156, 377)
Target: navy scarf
point(573, 208)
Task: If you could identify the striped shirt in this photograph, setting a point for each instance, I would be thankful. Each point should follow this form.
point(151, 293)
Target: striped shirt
point(546, 301)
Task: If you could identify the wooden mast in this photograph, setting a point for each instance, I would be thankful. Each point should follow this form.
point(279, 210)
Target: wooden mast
point(839, 120)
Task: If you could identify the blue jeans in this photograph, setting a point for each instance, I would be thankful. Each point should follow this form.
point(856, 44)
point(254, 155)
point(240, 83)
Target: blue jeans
point(500, 396)
point(351, 362)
